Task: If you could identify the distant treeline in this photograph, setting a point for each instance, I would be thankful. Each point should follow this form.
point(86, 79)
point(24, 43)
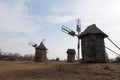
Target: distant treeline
point(116, 60)
point(8, 56)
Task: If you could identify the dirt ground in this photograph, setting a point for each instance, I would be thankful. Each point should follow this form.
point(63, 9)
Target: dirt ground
point(16, 70)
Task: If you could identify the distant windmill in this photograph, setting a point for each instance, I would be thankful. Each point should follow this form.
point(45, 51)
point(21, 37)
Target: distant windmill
point(40, 51)
point(72, 33)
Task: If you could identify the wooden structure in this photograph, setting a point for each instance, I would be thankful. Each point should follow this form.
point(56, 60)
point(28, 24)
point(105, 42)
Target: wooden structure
point(92, 44)
point(71, 55)
point(41, 53)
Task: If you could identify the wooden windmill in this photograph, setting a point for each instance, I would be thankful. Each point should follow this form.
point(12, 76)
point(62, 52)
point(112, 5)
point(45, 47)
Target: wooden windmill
point(40, 51)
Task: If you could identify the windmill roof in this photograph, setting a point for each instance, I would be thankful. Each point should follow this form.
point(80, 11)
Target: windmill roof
point(92, 29)
point(71, 51)
point(42, 46)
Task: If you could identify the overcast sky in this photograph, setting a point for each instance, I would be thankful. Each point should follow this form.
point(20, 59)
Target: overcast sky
point(22, 21)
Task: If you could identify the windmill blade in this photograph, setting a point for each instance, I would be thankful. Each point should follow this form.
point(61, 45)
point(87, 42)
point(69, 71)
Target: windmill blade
point(64, 31)
point(113, 43)
point(43, 40)
point(68, 31)
point(66, 28)
point(32, 44)
point(112, 51)
point(78, 26)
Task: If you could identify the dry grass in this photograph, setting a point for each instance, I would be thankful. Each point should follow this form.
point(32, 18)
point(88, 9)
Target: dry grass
point(58, 71)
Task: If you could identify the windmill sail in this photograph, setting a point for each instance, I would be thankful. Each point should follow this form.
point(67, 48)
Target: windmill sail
point(32, 44)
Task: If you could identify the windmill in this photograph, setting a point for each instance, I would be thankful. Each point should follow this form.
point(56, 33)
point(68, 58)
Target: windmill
point(40, 51)
point(72, 33)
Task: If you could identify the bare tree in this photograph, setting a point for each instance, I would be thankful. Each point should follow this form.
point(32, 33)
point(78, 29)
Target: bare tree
point(117, 59)
point(57, 59)
point(28, 56)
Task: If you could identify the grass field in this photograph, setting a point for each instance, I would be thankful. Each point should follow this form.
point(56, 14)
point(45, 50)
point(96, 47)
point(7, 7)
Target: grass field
point(58, 71)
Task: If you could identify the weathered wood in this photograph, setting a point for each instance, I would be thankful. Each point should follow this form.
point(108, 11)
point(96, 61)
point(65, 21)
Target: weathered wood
point(93, 46)
point(41, 53)
point(71, 55)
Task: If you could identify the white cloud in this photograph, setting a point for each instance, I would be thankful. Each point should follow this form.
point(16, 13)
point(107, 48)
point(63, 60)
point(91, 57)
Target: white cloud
point(15, 24)
point(14, 17)
point(60, 19)
point(112, 9)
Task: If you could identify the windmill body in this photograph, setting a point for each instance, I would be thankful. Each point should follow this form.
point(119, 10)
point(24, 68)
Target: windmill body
point(40, 52)
point(93, 46)
point(71, 55)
